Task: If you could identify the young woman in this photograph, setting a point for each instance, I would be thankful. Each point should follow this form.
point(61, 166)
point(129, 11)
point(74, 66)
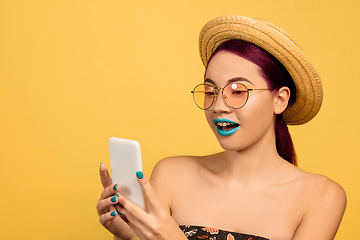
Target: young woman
point(256, 81)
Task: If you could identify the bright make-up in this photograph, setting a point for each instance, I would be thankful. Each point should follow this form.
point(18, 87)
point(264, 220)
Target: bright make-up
point(225, 127)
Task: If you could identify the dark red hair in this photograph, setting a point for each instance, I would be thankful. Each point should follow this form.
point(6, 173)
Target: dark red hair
point(276, 76)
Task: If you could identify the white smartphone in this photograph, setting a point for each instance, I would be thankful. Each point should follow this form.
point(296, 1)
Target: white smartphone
point(125, 159)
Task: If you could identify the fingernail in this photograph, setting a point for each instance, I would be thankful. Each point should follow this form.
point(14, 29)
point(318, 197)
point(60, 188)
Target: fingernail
point(115, 187)
point(116, 194)
point(115, 205)
point(139, 174)
point(119, 212)
point(113, 199)
point(113, 214)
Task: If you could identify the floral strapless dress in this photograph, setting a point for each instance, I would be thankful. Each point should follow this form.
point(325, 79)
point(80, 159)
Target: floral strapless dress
point(198, 232)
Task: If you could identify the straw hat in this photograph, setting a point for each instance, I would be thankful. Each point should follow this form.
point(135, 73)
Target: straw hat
point(277, 42)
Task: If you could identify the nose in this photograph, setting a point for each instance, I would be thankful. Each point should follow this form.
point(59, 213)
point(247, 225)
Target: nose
point(219, 104)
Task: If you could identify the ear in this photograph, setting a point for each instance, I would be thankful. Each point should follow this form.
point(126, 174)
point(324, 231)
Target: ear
point(281, 100)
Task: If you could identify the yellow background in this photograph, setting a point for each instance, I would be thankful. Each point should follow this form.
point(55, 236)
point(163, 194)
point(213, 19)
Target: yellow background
point(74, 73)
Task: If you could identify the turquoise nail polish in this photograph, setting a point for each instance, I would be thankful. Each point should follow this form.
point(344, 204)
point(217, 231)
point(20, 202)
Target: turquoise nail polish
point(115, 187)
point(113, 214)
point(113, 199)
point(119, 213)
point(139, 174)
point(116, 194)
point(115, 205)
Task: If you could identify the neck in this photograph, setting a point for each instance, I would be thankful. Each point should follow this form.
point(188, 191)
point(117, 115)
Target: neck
point(252, 165)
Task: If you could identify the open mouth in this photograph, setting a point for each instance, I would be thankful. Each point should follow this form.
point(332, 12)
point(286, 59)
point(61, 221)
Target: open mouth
point(226, 127)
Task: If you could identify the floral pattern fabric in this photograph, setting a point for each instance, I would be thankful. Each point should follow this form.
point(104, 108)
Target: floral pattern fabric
point(197, 232)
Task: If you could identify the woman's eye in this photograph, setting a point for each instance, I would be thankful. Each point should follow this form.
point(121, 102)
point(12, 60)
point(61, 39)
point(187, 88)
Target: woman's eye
point(209, 93)
point(238, 92)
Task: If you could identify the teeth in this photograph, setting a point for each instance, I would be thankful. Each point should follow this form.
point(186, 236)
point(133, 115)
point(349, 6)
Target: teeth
point(224, 124)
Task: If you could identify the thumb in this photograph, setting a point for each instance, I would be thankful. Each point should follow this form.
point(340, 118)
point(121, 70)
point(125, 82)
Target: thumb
point(151, 196)
point(104, 175)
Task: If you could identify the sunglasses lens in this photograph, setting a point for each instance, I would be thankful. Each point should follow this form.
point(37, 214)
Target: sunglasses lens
point(235, 95)
point(203, 96)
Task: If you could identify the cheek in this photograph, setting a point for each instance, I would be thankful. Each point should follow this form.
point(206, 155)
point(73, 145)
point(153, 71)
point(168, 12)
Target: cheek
point(209, 118)
point(258, 111)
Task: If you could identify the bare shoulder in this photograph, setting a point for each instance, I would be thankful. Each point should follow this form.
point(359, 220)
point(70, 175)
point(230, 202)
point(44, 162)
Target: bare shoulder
point(324, 189)
point(176, 161)
point(321, 193)
point(172, 166)
point(182, 165)
point(316, 186)
point(323, 209)
point(171, 174)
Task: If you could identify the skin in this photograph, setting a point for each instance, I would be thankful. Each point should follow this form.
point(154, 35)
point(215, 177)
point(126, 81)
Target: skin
point(248, 182)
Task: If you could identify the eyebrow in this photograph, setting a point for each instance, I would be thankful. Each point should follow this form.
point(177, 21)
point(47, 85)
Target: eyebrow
point(237, 79)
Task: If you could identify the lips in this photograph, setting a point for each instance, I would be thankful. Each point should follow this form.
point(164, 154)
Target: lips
point(226, 127)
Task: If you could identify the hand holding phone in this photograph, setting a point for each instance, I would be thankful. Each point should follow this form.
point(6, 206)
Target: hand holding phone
point(125, 159)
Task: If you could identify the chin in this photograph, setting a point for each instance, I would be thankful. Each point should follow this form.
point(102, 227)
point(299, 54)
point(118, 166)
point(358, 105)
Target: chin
point(231, 143)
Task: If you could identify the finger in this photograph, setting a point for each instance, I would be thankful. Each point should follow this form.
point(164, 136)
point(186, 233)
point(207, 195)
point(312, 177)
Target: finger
point(137, 219)
point(110, 191)
point(129, 210)
point(150, 193)
point(104, 205)
point(105, 218)
point(105, 176)
point(130, 220)
point(121, 212)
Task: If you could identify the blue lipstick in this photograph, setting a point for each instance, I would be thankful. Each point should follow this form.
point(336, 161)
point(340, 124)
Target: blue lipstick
point(224, 121)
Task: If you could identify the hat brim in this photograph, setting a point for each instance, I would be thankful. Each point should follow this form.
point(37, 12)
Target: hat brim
point(277, 42)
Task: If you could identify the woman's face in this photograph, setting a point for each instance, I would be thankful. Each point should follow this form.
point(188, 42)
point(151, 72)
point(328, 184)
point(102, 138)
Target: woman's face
point(254, 122)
